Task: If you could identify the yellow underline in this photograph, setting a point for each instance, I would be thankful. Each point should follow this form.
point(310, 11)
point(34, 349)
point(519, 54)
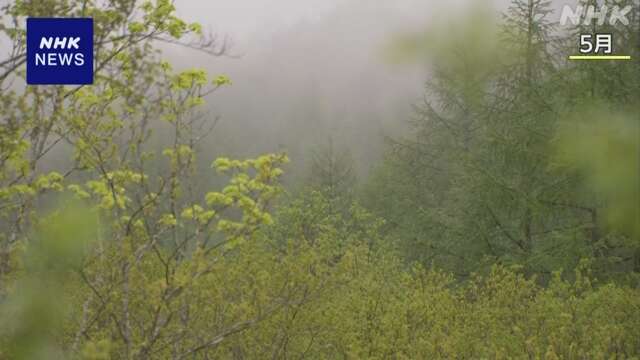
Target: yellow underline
point(599, 57)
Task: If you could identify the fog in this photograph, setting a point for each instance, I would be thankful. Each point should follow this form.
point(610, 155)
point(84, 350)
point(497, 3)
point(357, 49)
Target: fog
point(307, 71)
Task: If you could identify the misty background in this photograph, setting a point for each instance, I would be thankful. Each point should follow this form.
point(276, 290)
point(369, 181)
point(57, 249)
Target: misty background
point(308, 71)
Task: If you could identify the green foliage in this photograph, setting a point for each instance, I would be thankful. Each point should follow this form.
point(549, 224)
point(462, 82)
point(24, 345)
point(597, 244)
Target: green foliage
point(332, 171)
point(590, 142)
point(37, 307)
point(504, 163)
point(145, 263)
point(315, 284)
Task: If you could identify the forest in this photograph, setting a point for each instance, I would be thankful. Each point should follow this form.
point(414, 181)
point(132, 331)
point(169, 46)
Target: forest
point(501, 220)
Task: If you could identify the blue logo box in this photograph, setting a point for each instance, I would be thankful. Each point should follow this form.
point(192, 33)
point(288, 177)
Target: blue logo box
point(59, 51)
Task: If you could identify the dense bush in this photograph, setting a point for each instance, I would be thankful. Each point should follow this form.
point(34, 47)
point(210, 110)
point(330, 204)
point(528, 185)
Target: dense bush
point(310, 289)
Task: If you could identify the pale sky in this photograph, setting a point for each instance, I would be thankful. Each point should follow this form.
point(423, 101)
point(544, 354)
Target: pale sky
point(313, 69)
point(244, 19)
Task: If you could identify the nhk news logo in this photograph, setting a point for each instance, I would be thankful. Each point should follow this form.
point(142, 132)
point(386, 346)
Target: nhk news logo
point(59, 51)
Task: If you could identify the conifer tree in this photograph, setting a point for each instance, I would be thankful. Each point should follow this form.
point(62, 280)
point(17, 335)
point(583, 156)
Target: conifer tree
point(332, 171)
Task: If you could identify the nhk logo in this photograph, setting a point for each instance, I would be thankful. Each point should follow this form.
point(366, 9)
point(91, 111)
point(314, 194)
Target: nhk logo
point(59, 51)
point(63, 59)
point(587, 14)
